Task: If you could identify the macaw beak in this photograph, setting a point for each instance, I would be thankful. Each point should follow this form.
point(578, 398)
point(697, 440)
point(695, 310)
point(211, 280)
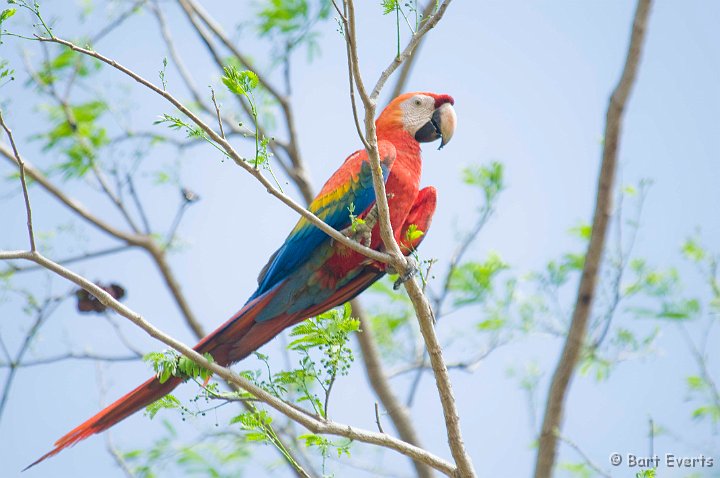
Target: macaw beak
point(441, 125)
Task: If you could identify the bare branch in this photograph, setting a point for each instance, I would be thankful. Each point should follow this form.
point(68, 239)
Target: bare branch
point(42, 312)
point(442, 379)
point(138, 204)
point(564, 371)
point(72, 259)
point(420, 303)
point(370, 141)
point(398, 413)
point(21, 165)
point(75, 356)
point(72, 204)
point(407, 52)
point(217, 111)
point(118, 21)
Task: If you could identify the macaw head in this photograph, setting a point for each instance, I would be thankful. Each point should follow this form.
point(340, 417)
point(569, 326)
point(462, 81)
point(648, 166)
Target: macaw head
point(424, 116)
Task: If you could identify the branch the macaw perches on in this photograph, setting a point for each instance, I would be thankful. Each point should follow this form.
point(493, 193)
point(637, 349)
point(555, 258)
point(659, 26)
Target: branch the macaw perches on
point(418, 298)
point(552, 421)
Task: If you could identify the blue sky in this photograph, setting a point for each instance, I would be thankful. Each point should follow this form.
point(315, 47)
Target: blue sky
point(531, 82)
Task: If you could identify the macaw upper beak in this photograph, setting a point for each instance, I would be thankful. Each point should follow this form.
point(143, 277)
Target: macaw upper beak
point(441, 125)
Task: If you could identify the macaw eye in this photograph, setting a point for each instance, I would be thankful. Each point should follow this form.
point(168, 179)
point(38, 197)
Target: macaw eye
point(418, 102)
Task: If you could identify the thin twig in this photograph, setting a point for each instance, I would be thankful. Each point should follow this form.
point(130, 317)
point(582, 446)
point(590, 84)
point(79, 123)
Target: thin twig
point(114, 198)
point(117, 22)
point(552, 421)
point(74, 356)
point(138, 204)
point(72, 259)
point(377, 418)
point(217, 111)
point(185, 74)
point(23, 181)
point(408, 64)
point(585, 458)
point(43, 312)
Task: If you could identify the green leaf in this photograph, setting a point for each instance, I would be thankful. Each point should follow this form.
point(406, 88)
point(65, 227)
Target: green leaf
point(413, 233)
point(707, 411)
point(693, 251)
point(630, 190)
point(238, 82)
point(649, 473)
point(7, 13)
point(286, 16)
point(681, 310)
point(696, 383)
point(490, 179)
point(168, 402)
point(473, 281)
point(389, 6)
point(491, 324)
point(582, 231)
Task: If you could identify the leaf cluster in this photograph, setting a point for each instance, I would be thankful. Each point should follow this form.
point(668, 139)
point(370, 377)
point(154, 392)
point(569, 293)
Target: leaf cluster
point(292, 23)
point(171, 364)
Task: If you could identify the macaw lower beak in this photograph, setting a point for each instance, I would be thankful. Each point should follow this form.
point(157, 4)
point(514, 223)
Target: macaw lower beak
point(441, 125)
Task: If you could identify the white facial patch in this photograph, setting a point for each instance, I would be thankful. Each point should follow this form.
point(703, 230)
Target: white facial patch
point(417, 110)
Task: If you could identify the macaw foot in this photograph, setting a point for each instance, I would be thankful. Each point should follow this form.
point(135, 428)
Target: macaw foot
point(412, 269)
point(361, 229)
point(360, 232)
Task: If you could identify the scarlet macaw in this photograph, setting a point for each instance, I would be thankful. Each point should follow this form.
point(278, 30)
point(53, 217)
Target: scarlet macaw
point(310, 273)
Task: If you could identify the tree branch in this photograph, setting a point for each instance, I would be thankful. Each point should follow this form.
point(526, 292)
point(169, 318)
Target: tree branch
point(23, 181)
point(76, 207)
point(418, 298)
point(43, 312)
point(399, 414)
point(564, 371)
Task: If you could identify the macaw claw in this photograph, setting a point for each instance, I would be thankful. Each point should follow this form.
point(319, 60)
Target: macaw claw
point(410, 271)
point(361, 231)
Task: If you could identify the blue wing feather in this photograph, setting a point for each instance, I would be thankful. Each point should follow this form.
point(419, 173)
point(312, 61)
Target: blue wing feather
point(330, 206)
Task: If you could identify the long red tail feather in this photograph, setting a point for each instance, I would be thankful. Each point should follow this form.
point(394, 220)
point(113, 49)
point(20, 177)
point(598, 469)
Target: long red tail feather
point(141, 397)
point(221, 344)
